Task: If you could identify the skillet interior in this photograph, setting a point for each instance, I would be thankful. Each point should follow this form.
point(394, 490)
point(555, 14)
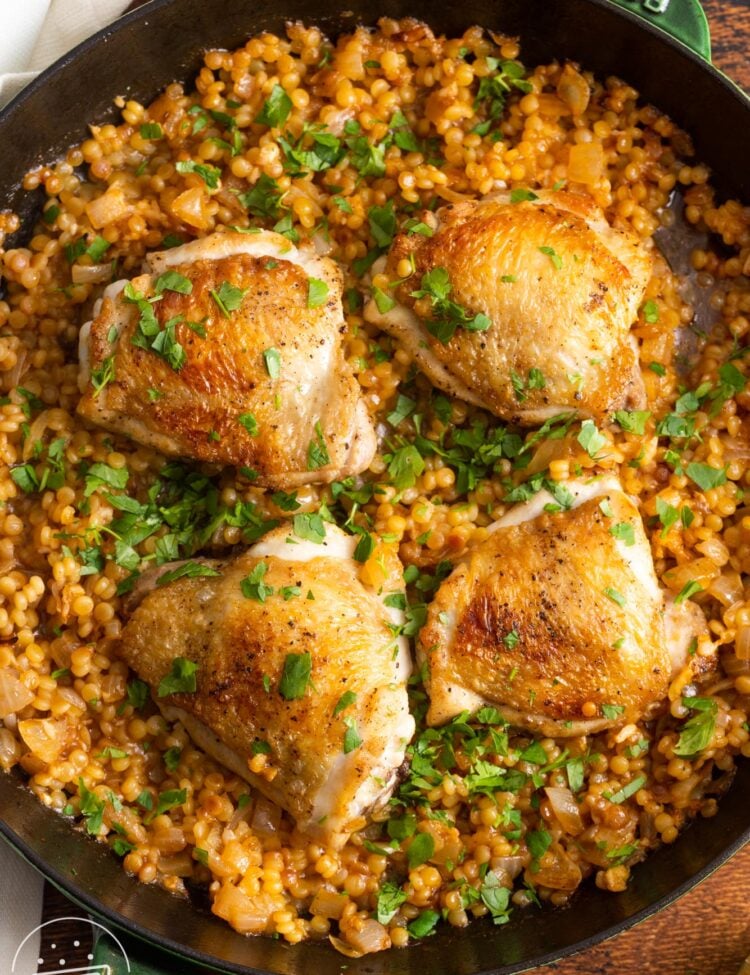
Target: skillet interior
point(163, 42)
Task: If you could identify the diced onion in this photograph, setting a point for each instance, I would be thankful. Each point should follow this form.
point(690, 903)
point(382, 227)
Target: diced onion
point(715, 550)
point(81, 274)
point(586, 163)
point(180, 865)
point(574, 90)
point(266, 816)
point(72, 697)
point(702, 571)
point(108, 208)
point(552, 105)
point(365, 936)
point(328, 903)
point(10, 749)
point(507, 868)
point(246, 914)
point(170, 840)
point(727, 588)
point(742, 643)
point(44, 737)
point(735, 449)
point(190, 207)
point(14, 694)
point(557, 870)
point(565, 809)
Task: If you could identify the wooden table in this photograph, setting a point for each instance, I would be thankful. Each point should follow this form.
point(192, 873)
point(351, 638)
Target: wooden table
point(707, 932)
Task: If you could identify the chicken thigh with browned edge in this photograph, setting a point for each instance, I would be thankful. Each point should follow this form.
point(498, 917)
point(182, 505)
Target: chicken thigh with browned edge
point(528, 305)
point(296, 660)
point(230, 349)
point(557, 619)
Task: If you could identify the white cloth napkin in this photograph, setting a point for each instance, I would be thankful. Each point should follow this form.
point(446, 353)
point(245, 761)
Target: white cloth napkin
point(21, 899)
point(33, 34)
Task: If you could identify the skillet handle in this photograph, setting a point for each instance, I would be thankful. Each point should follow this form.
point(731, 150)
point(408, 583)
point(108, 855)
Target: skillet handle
point(685, 20)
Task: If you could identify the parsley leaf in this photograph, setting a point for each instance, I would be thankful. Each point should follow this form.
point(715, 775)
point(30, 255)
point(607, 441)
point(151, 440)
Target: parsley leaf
point(632, 421)
point(420, 850)
point(180, 680)
point(248, 421)
point(436, 286)
point(317, 293)
point(276, 108)
point(405, 466)
point(295, 676)
point(208, 173)
point(495, 898)
point(352, 740)
point(705, 476)
point(624, 532)
point(188, 570)
point(552, 254)
point(253, 587)
point(317, 451)
point(228, 298)
point(173, 281)
point(346, 700)
point(590, 438)
point(272, 360)
point(626, 791)
point(310, 526)
point(390, 898)
point(697, 733)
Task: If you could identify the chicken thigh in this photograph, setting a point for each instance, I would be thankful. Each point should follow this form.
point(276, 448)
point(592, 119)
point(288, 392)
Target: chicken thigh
point(556, 618)
point(521, 308)
point(230, 349)
point(296, 662)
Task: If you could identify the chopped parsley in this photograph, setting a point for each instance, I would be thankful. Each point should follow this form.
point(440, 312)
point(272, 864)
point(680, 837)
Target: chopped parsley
point(208, 173)
point(272, 360)
point(590, 438)
point(698, 732)
point(449, 316)
point(317, 293)
point(276, 108)
point(705, 476)
point(552, 254)
point(253, 586)
point(317, 451)
point(420, 850)
point(346, 700)
point(626, 791)
point(188, 570)
point(623, 532)
point(390, 898)
point(615, 596)
point(352, 740)
point(180, 680)
point(248, 421)
point(295, 676)
point(228, 298)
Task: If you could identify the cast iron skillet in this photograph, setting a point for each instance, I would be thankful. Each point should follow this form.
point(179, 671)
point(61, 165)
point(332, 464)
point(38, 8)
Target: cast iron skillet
point(137, 57)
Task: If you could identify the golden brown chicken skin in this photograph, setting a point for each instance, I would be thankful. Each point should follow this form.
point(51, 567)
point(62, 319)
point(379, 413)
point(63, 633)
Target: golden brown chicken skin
point(335, 741)
point(556, 619)
point(261, 380)
point(561, 289)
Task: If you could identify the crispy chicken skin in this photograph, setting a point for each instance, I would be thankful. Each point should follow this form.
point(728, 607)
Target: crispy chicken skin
point(194, 412)
point(566, 312)
point(553, 611)
point(240, 645)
